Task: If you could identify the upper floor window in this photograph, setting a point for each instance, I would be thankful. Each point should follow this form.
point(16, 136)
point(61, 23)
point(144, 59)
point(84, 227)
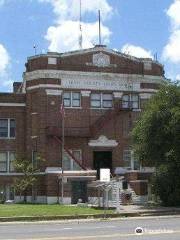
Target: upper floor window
point(130, 101)
point(7, 128)
point(72, 99)
point(7, 161)
point(101, 100)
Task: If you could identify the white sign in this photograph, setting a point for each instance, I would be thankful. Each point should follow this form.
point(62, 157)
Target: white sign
point(99, 84)
point(105, 175)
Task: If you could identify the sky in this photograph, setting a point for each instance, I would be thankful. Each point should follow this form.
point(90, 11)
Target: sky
point(141, 28)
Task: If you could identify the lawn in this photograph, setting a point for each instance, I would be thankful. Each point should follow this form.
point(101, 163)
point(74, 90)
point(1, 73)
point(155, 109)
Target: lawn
point(16, 210)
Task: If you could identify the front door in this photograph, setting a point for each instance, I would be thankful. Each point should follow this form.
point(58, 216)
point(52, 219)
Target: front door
point(79, 191)
point(102, 159)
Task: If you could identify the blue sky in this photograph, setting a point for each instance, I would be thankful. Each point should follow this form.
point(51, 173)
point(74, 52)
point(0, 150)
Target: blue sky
point(138, 27)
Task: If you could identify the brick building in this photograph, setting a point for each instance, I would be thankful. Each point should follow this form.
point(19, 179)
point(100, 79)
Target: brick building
point(103, 92)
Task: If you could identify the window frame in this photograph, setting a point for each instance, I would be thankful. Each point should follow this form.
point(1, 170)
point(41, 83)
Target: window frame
point(9, 128)
point(126, 104)
point(71, 99)
point(8, 161)
point(72, 163)
point(101, 100)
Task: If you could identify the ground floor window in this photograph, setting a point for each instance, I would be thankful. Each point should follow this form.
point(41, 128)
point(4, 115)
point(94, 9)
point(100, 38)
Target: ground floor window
point(7, 192)
point(129, 160)
point(7, 161)
point(69, 163)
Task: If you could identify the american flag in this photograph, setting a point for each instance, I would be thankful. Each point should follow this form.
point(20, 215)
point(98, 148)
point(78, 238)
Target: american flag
point(62, 110)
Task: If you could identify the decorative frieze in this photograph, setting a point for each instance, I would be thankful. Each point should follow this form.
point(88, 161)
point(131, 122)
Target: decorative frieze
point(103, 141)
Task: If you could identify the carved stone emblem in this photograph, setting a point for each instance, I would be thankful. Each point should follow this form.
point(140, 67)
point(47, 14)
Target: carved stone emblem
point(101, 60)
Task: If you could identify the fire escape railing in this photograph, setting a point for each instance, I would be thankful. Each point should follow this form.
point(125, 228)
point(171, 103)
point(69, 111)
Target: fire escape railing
point(70, 154)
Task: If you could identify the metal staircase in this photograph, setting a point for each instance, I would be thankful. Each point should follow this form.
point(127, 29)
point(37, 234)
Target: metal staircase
point(105, 118)
point(58, 139)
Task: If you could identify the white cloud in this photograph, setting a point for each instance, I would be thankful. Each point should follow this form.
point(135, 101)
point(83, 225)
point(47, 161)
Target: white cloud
point(178, 77)
point(69, 10)
point(5, 80)
point(174, 13)
point(171, 51)
point(136, 51)
point(64, 35)
point(4, 59)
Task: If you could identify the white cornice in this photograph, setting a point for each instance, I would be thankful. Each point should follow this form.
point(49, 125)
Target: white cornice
point(53, 92)
point(43, 86)
point(12, 104)
point(60, 74)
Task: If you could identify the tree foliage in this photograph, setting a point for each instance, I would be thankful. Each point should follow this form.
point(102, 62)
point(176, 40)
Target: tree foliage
point(156, 140)
point(29, 175)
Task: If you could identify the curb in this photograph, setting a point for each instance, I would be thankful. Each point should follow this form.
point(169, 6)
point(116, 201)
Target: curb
point(88, 216)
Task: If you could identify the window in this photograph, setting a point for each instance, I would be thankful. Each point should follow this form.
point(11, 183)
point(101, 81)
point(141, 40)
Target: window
point(95, 100)
point(127, 158)
point(72, 99)
point(107, 100)
point(3, 161)
point(69, 163)
point(75, 99)
point(34, 159)
point(101, 100)
point(7, 161)
point(7, 128)
point(52, 60)
point(11, 161)
point(129, 161)
point(125, 101)
point(12, 128)
point(130, 101)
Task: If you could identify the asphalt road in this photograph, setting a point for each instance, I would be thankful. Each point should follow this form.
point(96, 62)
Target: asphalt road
point(155, 228)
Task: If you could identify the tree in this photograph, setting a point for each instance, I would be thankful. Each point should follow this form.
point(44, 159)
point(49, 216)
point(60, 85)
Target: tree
point(156, 142)
point(29, 175)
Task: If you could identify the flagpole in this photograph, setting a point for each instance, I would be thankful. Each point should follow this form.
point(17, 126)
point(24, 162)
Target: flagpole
point(62, 151)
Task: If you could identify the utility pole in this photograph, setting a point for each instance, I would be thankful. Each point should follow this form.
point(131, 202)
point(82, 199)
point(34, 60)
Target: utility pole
point(99, 12)
point(80, 26)
point(62, 154)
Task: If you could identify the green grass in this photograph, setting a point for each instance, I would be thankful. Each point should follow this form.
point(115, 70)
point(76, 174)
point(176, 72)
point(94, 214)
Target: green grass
point(17, 210)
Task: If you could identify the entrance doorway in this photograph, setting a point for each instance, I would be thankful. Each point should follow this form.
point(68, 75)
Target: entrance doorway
point(79, 191)
point(102, 159)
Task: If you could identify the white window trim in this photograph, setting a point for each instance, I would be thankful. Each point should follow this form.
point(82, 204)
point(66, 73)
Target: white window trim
point(101, 101)
point(71, 99)
point(8, 137)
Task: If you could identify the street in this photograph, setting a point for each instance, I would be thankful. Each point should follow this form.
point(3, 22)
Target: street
point(155, 228)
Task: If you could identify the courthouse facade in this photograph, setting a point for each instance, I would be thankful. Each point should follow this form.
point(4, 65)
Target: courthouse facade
point(103, 92)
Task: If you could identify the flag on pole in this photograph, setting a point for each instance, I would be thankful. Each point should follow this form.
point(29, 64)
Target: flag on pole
point(62, 110)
